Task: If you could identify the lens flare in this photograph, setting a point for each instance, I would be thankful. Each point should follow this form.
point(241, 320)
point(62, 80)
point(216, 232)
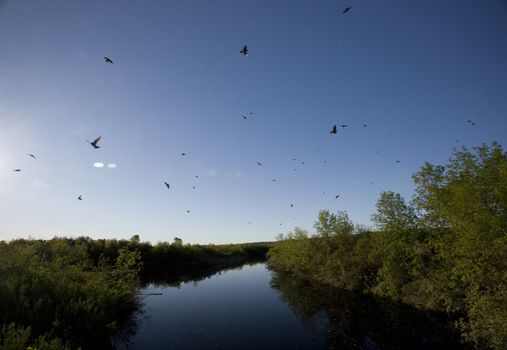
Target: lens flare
point(98, 165)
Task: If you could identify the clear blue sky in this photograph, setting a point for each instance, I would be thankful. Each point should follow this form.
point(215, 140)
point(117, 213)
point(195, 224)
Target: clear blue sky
point(413, 71)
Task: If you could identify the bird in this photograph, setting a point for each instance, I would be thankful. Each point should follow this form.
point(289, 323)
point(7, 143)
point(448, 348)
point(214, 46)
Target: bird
point(294, 159)
point(188, 211)
point(80, 197)
point(244, 51)
point(398, 161)
point(183, 154)
point(346, 9)
point(167, 185)
point(17, 170)
point(344, 125)
point(274, 180)
point(325, 162)
point(334, 131)
point(259, 164)
point(292, 205)
point(323, 192)
point(302, 163)
point(244, 117)
point(31, 155)
point(95, 142)
point(365, 125)
point(193, 187)
point(336, 197)
point(108, 60)
point(249, 222)
point(196, 176)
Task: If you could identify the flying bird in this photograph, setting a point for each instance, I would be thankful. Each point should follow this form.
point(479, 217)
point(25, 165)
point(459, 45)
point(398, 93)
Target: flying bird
point(274, 180)
point(183, 154)
point(17, 170)
point(188, 211)
point(334, 131)
point(365, 125)
point(344, 125)
point(31, 155)
point(398, 161)
point(244, 51)
point(244, 117)
point(167, 185)
point(108, 60)
point(80, 198)
point(336, 197)
point(259, 164)
point(95, 143)
point(292, 205)
point(196, 176)
point(346, 9)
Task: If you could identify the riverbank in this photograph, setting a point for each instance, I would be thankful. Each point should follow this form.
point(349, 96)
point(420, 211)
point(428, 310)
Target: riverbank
point(67, 293)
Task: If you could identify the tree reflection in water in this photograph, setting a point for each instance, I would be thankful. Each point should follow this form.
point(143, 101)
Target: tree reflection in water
point(354, 321)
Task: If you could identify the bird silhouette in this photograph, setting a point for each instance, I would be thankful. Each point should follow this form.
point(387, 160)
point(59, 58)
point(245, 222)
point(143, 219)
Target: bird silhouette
point(346, 9)
point(80, 197)
point(183, 154)
point(31, 155)
point(274, 180)
point(259, 164)
point(336, 197)
point(294, 159)
point(17, 170)
point(398, 161)
point(167, 185)
point(249, 222)
point(334, 131)
point(196, 176)
point(244, 117)
point(344, 125)
point(95, 143)
point(188, 211)
point(244, 51)
point(365, 125)
point(108, 60)
point(292, 205)
point(193, 187)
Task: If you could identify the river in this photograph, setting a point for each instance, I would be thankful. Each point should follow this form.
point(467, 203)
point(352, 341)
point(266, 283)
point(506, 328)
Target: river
point(254, 308)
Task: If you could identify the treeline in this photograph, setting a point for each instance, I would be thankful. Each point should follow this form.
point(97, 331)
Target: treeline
point(444, 250)
point(68, 293)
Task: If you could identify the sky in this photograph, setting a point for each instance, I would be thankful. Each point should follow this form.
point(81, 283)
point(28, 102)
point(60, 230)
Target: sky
point(413, 71)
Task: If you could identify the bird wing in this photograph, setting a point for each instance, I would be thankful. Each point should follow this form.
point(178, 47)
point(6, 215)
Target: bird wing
point(97, 140)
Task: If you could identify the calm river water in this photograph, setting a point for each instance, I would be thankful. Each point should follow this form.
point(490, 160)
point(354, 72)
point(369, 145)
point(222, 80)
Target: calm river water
point(254, 308)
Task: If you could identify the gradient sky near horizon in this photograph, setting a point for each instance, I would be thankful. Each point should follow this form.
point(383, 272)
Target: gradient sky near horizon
point(413, 71)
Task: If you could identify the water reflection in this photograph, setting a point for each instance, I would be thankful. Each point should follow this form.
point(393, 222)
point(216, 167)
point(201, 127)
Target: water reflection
point(354, 321)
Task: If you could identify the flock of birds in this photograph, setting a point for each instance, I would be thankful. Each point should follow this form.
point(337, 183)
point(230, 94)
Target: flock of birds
point(244, 51)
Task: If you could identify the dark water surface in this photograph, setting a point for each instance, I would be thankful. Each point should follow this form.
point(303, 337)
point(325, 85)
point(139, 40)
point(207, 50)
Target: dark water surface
point(254, 308)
